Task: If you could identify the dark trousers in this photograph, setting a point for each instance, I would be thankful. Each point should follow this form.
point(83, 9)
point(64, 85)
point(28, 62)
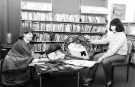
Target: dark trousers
point(107, 65)
point(84, 74)
point(88, 73)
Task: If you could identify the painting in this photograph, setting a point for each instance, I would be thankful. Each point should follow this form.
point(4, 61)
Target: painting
point(118, 11)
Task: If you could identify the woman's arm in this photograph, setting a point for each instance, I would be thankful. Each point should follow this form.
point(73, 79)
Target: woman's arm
point(113, 48)
point(102, 41)
point(23, 61)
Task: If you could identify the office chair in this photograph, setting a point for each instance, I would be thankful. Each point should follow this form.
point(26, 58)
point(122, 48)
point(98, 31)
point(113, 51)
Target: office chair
point(125, 63)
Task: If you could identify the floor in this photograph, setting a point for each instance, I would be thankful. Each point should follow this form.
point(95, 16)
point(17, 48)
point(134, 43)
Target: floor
point(67, 80)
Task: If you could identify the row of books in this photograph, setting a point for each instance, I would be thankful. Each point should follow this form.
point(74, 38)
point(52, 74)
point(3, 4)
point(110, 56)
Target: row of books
point(40, 47)
point(65, 28)
point(43, 47)
point(36, 26)
point(93, 29)
point(67, 17)
point(36, 16)
point(42, 37)
point(93, 19)
point(45, 37)
point(61, 17)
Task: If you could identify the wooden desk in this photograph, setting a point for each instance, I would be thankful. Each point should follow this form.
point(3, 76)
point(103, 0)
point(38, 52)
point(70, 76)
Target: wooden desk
point(58, 67)
point(40, 71)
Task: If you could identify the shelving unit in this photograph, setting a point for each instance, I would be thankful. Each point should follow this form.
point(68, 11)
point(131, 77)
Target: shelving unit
point(44, 23)
point(129, 28)
point(99, 15)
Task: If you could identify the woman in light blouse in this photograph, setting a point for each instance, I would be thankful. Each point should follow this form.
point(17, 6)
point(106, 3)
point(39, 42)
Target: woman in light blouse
point(117, 49)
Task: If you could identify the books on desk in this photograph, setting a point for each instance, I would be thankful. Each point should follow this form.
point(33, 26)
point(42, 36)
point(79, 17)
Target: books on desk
point(83, 63)
point(56, 54)
point(37, 61)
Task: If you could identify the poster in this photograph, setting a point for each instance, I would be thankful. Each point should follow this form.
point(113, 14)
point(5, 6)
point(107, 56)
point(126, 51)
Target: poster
point(118, 11)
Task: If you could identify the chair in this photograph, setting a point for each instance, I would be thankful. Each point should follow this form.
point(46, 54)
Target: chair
point(3, 53)
point(125, 63)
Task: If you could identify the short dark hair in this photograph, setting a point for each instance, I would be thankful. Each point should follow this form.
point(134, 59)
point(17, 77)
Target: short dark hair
point(26, 32)
point(119, 26)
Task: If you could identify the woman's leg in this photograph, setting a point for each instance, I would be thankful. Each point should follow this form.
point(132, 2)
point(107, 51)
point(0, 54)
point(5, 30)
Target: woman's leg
point(88, 74)
point(92, 71)
point(107, 66)
point(84, 75)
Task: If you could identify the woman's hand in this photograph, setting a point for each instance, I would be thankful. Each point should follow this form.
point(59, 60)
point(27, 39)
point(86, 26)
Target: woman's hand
point(36, 55)
point(100, 60)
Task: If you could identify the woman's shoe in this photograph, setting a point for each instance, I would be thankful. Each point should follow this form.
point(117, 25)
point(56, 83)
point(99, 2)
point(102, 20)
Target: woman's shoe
point(88, 81)
point(108, 84)
point(85, 84)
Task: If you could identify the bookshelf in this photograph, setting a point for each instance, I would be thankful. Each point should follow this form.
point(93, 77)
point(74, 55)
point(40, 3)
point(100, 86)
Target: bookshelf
point(55, 28)
point(130, 31)
point(129, 28)
point(97, 15)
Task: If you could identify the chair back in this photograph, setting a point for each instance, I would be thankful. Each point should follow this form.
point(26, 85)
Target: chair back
point(129, 52)
point(3, 53)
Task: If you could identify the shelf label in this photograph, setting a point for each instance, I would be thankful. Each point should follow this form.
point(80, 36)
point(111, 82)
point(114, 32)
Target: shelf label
point(29, 5)
point(94, 10)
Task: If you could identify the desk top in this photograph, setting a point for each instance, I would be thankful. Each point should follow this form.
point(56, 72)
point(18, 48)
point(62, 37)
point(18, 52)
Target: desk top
point(62, 65)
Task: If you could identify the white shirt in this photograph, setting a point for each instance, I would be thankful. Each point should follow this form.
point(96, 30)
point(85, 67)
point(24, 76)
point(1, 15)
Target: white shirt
point(117, 44)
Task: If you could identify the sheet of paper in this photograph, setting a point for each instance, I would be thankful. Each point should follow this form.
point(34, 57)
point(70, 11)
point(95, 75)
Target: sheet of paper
point(84, 63)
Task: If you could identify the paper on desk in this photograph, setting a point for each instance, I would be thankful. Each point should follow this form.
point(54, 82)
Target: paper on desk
point(84, 63)
point(40, 60)
point(56, 55)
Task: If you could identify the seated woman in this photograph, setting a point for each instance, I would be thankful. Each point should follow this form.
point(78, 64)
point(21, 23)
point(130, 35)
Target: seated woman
point(117, 49)
point(17, 60)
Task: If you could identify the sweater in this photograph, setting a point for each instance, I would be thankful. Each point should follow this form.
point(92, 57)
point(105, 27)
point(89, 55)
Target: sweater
point(117, 44)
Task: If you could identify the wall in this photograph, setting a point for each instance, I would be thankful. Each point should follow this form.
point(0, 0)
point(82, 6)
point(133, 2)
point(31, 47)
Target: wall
point(66, 6)
point(130, 9)
point(73, 6)
point(9, 19)
point(99, 3)
point(13, 18)
point(38, 0)
point(3, 20)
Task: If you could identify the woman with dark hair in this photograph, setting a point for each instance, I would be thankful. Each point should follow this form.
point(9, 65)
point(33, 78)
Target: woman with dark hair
point(117, 49)
point(17, 60)
point(118, 24)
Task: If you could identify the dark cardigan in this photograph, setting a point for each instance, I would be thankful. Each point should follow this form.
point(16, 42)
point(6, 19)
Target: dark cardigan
point(16, 62)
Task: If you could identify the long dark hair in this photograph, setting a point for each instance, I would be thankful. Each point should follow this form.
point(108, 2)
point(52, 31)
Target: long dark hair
point(119, 26)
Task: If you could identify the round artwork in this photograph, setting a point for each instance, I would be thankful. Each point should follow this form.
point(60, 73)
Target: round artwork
point(78, 47)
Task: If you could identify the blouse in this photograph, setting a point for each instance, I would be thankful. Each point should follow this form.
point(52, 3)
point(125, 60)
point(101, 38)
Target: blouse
point(117, 44)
